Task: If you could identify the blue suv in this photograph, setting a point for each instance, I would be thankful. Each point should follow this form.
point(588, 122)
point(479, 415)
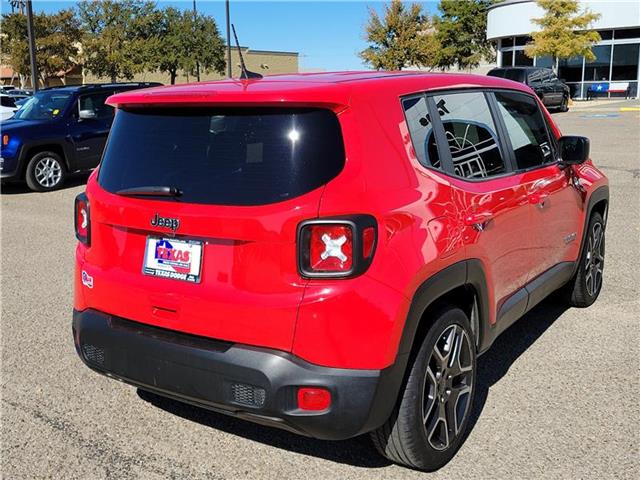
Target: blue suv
point(58, 131)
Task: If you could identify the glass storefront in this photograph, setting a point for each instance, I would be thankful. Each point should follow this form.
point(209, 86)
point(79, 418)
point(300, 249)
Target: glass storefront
point(617, 62)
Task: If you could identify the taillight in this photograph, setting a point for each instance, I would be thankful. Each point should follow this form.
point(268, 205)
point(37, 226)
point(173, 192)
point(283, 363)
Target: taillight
point(336, 247)
point(82, 219)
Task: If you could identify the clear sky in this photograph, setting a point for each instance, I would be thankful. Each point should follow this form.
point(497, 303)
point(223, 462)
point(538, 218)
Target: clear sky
point(327, 34)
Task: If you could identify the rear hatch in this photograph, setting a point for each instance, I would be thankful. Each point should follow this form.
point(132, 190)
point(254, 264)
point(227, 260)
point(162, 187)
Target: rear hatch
point(194, 215)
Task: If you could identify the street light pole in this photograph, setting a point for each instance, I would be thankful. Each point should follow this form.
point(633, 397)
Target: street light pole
point(195, 13)
point(32, 47)
point(228, 42)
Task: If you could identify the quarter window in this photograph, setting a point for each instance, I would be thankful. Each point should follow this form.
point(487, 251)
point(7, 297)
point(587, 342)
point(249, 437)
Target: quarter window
point(471, 135)
point(526, 128)
point(421, 131)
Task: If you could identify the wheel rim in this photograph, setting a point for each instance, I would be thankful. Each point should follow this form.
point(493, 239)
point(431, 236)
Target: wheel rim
point(48, 172)
point(594, 263)
point(447, 387)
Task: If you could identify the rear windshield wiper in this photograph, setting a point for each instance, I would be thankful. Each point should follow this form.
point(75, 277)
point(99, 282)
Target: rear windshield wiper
point(151, 191)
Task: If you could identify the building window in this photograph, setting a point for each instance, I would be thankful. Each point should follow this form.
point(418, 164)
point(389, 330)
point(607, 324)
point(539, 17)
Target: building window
point(522, 60)
point(625, 62)
point(545, 62)
point(627, 33)
point(606, 34)
point(507, 59)
point(520, 41)
point(570, 69)
point(598, 69)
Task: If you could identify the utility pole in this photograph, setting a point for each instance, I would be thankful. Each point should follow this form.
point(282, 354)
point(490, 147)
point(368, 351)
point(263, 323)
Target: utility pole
point(228, 42)
point(195, 13)
point(32, 47)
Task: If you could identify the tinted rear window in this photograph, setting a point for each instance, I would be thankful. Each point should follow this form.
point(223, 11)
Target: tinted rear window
point(516, 75)
point(224, 156)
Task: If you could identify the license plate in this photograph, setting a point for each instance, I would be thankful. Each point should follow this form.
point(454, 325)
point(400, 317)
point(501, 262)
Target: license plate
point(172, 258)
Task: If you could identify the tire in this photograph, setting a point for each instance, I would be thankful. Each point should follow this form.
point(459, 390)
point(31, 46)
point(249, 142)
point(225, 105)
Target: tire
point(564, 106)
point(585, 286)
point(46, 171)
point(423, 432)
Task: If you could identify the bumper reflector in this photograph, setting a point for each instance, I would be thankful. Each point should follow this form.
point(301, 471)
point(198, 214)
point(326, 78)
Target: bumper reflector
point(315, 399)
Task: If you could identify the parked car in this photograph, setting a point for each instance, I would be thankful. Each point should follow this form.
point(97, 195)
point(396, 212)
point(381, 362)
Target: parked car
point(553, 92)
point(7, 106)
point(330, 253)
point(19, 93)
point(6, 88)
point(58, 131)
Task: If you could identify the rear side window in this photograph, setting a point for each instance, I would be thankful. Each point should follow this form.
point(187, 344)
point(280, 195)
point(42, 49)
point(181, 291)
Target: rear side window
point(526, 128)
point(471, 135)
point(7, 102)
point(235, 156)
point(421, 131)
point(515, 74)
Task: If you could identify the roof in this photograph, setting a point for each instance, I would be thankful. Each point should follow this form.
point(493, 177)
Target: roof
point(98, 86)
point(326, 88)
point(528, 67)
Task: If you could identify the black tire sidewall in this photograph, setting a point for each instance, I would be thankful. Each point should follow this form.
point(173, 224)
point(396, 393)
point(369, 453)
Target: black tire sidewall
point(30, 178)
point(595, 218)
point(434, 459)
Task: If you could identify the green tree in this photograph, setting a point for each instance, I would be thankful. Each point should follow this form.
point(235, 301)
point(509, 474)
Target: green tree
point(183, 40)
point(462, 32)
point(563, 31)
point(404, 38)
point(57, 40)
point(120, 36)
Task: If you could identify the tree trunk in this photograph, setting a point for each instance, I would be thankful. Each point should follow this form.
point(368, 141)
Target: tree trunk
point(173, 76)
point(114, 78)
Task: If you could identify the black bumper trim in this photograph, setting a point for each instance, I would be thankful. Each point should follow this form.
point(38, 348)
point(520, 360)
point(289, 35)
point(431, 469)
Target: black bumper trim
point(202, 372)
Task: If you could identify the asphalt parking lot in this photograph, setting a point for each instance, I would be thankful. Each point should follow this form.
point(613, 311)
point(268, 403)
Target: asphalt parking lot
point(557, 394)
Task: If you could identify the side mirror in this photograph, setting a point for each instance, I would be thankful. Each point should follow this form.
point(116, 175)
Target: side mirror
point(574, 150)
point(87, 115)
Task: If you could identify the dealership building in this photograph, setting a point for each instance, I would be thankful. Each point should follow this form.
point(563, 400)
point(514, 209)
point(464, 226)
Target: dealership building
point(616, 68)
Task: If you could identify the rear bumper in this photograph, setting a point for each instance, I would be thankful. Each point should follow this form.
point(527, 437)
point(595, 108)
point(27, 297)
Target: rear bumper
point(253, 383)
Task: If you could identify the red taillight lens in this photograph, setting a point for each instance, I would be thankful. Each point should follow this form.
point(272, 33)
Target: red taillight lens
point(315, 399)
point(336, 247)
point(82, 219)
point(331, 248)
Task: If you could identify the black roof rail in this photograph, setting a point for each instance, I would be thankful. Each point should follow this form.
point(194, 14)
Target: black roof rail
point(87, 86)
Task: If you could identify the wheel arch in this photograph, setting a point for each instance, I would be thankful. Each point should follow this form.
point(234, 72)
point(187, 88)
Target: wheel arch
point(461, 285)
point(598, 202)
point(32, 149)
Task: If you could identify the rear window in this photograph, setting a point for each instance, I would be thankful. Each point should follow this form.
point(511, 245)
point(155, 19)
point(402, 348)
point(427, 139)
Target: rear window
point(514, 74)
point(235, 156)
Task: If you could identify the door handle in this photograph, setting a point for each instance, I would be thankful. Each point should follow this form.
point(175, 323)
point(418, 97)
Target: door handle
point(478, 220)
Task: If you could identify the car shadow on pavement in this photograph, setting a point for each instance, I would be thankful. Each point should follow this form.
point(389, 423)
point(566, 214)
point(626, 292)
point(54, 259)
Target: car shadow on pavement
point(507, 348)
point(17, 188)
point(359, 451)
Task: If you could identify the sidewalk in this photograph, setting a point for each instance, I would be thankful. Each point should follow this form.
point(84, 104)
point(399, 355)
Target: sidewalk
point(604, 104)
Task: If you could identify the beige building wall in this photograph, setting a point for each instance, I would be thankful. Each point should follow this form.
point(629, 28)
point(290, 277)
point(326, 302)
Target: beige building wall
point(263, 62)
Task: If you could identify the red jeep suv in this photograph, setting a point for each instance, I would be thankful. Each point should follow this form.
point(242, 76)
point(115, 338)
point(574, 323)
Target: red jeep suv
point(329, 253)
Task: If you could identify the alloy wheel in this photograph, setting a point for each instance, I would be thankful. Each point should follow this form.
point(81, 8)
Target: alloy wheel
point(48, 172)
point(594, 262)
point(447, 387)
